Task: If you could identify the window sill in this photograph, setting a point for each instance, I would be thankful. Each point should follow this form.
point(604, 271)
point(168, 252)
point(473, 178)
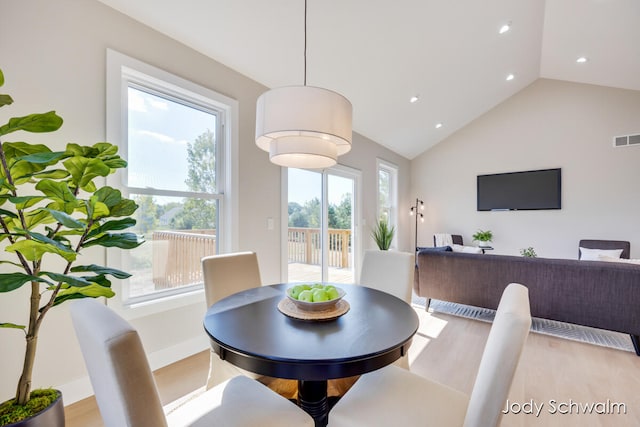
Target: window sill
point(158, 305)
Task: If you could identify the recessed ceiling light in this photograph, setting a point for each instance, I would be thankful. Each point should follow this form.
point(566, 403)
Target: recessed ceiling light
point(582, 60)
point(506, 27)
point(510, 77)
point(438, 125)
point(414, 99)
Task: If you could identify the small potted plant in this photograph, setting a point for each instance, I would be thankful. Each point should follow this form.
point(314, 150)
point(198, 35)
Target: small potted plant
point(483, 237)
point(50, 210)
point(528, 252)
point(383, 235)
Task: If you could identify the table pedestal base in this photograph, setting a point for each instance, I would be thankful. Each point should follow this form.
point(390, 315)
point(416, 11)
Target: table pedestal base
point(312, 397)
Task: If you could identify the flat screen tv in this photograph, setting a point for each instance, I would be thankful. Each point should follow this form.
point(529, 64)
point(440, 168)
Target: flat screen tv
point(529, 190)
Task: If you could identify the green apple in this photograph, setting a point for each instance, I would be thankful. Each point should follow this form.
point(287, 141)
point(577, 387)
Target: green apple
point(333, 293)
point(306, 287)
point(295, 291)
point(320, 295)
point(329, 287)
point(306, 296)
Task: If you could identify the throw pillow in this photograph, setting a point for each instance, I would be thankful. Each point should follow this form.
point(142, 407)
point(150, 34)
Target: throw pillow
point(587, 254)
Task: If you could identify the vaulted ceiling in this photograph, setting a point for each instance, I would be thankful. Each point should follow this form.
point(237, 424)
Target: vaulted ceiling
point(379, 54)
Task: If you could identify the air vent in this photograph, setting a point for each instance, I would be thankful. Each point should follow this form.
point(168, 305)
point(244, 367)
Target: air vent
point(626, 140)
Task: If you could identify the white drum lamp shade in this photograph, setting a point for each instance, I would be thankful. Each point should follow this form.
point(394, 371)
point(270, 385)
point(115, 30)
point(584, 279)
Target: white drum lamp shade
point(303, 126)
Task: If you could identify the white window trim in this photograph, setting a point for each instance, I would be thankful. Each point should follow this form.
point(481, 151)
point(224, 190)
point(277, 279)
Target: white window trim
point(119, 65)
point(393, 194)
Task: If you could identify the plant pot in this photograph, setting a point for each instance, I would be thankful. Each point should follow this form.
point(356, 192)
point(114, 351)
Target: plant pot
point(52, 416)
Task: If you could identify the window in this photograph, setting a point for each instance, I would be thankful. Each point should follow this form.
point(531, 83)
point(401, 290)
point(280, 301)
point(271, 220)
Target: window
point(388, 193)
point(176, 137)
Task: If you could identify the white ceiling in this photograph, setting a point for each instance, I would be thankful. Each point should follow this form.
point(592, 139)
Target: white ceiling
point(380, 53)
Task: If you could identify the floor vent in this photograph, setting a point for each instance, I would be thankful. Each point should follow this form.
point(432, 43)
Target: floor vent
point(626, 140)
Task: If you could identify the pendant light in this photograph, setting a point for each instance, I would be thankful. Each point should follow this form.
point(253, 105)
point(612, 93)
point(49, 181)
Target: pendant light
point(303, 126)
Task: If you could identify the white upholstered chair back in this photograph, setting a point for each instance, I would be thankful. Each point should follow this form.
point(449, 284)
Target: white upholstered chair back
point(227, 274)
point(120, 375)
point(412, 400)
point(126, 391)
point(389, 271)
point(500, 358)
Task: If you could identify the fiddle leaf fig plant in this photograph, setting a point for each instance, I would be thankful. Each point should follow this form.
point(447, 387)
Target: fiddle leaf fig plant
point(51, 209)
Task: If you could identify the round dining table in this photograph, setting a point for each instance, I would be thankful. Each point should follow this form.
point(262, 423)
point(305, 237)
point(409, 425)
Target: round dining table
point(249, 331)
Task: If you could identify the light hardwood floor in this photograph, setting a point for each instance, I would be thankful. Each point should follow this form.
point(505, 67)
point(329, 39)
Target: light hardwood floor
point(447, 349)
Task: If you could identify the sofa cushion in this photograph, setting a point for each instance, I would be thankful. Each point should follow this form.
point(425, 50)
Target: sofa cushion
point(467, 249)
point(587, 254)
point(613, 259)
point(434, 249)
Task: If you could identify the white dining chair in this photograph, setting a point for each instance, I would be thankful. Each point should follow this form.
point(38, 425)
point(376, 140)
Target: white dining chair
point(394, 396)
point(224, 275)
point(391, 272)
point(126, 391)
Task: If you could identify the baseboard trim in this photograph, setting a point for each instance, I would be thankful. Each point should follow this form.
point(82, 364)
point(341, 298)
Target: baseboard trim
point(80, 388)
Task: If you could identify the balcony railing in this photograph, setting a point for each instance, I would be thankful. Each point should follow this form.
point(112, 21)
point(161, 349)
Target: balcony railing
point(177, 254)
point(304, 246)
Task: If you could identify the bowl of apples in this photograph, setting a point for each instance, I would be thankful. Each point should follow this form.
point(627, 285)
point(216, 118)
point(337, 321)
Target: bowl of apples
point(315, 297)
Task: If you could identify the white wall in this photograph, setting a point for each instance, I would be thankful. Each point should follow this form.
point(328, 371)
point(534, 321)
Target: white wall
point(53, 57)
point(549, 124)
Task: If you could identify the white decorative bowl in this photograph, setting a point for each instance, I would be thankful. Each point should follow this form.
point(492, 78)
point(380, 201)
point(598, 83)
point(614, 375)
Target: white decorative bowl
point(317, 306)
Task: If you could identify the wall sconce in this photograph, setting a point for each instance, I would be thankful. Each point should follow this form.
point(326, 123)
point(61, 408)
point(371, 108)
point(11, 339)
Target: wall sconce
point(416, 211)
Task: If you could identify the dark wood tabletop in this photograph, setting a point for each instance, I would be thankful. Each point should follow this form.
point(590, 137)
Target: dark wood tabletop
point(248, 330)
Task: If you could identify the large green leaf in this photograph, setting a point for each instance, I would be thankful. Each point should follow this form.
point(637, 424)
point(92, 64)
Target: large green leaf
point(100, 270)
point(65, 278)
point(83, 170)
point(99, 210)
point(119, 224)
point(67, 220)
point(37, 217)
point(40, 122)
point(125, 208)
point(5, 100)
point(53, 174)
point(22, 171)
point(1, 78)
point(12, 325)
point(64, 246)
point(108, 195)
point(10, 214)
point(62, 197)
point(91, 291)
point(25, 202)
point(33, 250)
point(16, 150)
point(46, 158)
point(122, 241)
point(12, 281)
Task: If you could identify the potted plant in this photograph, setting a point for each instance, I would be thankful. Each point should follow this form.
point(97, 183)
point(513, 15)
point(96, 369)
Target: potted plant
point(528, 252)
point(483, 237)
point(383, 235)
point(50, 210)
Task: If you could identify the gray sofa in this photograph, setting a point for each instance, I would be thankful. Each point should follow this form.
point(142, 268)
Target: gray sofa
point(603, 295)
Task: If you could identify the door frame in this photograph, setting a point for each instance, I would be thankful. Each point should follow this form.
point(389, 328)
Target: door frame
point(339, 170)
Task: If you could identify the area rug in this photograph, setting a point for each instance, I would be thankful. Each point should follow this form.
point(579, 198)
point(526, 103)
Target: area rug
point(568, 331)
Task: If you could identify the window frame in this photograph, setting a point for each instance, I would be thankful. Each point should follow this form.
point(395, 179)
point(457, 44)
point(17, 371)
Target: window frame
point(392, 170)
point(123, 72)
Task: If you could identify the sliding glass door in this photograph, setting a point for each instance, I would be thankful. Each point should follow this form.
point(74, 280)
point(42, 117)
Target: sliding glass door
point(321, 233)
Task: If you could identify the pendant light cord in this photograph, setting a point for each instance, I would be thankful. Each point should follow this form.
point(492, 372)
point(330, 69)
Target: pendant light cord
point(305, 42)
